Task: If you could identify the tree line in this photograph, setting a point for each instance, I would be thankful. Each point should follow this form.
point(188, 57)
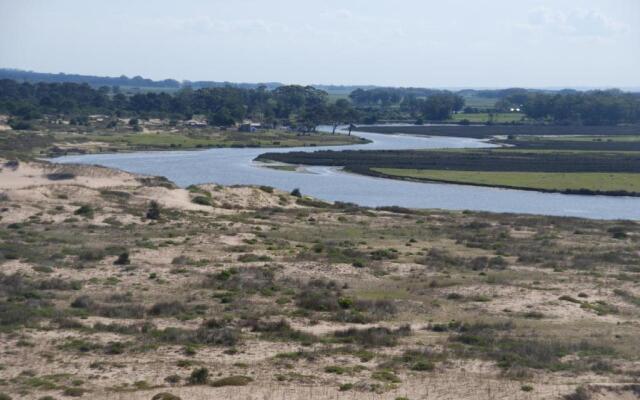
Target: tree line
point(302, 106)
point(430, 104)
point(305, 106)
point(596, 107)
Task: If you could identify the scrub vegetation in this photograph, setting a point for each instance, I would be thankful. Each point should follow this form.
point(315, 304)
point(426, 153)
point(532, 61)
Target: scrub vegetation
point(125, 287)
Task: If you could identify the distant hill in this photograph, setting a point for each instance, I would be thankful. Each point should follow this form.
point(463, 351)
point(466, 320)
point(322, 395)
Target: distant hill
point(140, 83)
point(122, 81)
point(96, 81)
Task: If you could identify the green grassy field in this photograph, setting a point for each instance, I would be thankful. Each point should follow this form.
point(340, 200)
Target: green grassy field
point(555, 181)
point(484, 117)
point(480, 102)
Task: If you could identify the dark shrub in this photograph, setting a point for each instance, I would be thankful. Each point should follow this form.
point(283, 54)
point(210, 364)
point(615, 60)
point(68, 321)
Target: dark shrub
point(618, 232)
point(153, 212)
point(74, 392)
point(375, 336)
point(237, 380)
point(85, 211)
point(423, 366)
point(173, 379)
point(296, 192)
point(12, 164)
point(243, 279)
point(222, 336)
point(165, 396)
point(91, 254)
point(125, 310)
point(83, 301)
point(319, 295)
point(280, 330)
point(253, 258)
point(113, 348)
point(167, 309)
point(123, 259)
point(60, 176)
point(199, 376)
point(384, 254)
point(58, 284)
point(581, 393)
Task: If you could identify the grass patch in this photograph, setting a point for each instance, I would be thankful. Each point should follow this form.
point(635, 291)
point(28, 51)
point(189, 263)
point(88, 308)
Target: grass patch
point(553, 181)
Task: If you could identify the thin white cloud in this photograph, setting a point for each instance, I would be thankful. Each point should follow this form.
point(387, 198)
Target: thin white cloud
point(577, 22)
point(206, 24)
point(339, 14)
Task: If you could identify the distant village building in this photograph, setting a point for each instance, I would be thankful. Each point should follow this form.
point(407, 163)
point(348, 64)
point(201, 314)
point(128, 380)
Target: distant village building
point(195, 123)
point(98, 117)
point(249, 127)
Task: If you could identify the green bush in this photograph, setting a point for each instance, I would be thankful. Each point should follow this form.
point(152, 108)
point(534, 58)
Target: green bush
point(345, 386)
point(202, 200)
point(386, 376)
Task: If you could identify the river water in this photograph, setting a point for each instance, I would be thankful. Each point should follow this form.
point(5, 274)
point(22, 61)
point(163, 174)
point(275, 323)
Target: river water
point(231, 166)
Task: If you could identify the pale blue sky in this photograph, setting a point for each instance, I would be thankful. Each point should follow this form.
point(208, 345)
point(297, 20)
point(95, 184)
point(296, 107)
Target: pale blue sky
point(453, 43)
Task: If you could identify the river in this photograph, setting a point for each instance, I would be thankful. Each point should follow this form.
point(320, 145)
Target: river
point(232, 166)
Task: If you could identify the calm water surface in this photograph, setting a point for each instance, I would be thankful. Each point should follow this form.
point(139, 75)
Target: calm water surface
point(229, 166)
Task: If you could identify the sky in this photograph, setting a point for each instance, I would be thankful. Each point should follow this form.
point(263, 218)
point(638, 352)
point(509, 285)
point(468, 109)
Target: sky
point(420, 43)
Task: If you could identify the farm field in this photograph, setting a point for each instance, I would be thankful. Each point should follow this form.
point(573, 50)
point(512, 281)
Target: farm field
point(468, 160)
point(480, 102)
point(548, 181)
point(498, 118)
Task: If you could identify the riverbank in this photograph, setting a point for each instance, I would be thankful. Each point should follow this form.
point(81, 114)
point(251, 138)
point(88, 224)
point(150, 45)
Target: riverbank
point(104, 271)
point(55, 143)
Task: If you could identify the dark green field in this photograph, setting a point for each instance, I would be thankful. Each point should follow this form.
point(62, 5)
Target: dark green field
point(467, 160)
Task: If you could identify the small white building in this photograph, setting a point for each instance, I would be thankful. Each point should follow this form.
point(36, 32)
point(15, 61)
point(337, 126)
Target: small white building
point(195, 123)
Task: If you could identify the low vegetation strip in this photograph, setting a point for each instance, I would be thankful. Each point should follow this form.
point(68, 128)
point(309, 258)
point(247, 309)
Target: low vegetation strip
point(574, 182)
point(580, 143)
point(272, 138)
point(485, 131)
point(466, 160)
